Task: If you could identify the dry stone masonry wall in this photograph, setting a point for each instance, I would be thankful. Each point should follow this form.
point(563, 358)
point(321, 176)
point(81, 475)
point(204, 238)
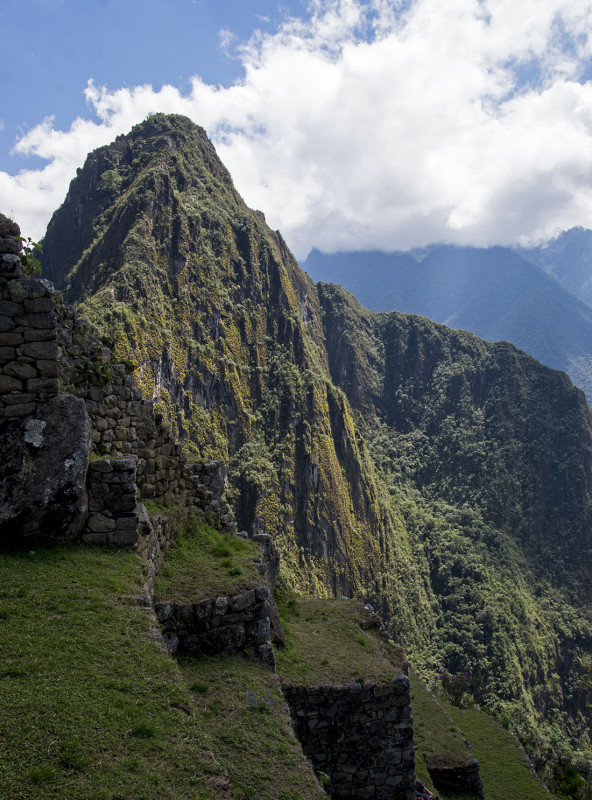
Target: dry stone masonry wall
point(122, 422)
point(361, 736)
point(220, 624)
point(28, 349)
point(112, 503)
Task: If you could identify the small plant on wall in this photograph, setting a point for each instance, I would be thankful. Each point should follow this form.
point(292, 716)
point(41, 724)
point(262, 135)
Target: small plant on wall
point(29, 261)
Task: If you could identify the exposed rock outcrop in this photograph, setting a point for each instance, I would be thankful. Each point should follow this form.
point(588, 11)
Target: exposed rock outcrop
point(42, 474)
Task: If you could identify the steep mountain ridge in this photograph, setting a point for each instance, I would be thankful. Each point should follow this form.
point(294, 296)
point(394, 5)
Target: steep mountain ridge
point(443, 478)
point(494, 292)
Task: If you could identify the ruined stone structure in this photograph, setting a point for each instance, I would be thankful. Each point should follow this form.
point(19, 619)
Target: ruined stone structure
point(361, 736)
point(220, 624)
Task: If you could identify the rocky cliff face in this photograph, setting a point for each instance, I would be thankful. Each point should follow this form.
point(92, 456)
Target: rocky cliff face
point(444, 478)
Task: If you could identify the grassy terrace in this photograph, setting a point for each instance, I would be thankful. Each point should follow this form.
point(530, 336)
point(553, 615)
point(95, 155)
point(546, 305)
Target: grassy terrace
point(326, 644)
point(89, 704)
point(241, 708)
point(91, 708)
point(440, 730)
point(205, 563)
point(504, 770)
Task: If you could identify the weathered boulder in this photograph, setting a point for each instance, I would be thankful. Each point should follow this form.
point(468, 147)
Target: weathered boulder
point(42, 474)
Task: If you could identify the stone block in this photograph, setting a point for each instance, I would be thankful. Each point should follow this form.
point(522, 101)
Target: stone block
point(30, 288)
point(7, 323)
point(43, 385)
point(242, 601)
point(7, 354)
point(41, 335)
point(123, 538)
point(20, 410)
point(41, 350)
point(10, 384)
point(47, 368)
point(127, 523)
point(46, 321)
point(259, 631)
point(164, 611)
point(99, 523)
point(10, 309)
point(124, 464)
point(10, 339)
point(17, 369)
point(18, 398)
point(101, 467)
point(10, 265)
point(94, 538)
point(39, 305)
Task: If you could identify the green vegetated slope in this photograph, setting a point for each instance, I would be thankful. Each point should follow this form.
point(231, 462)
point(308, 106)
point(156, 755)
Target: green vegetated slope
point(89, 702)
point(92, 707)
point(333, 642)
point(443, 734)
point(444, 478)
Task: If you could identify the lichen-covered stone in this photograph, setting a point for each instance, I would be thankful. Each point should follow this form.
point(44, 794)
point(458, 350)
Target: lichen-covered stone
point(42, 475)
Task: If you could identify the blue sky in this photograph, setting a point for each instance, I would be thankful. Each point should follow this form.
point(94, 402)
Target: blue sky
point(56, 46)
point(351, 123)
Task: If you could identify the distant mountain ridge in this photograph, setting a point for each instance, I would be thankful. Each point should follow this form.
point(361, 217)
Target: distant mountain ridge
point(568, 258)
point(494, 292)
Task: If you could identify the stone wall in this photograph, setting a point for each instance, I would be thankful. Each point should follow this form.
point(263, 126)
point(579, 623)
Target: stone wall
point(112, 503)
point(220, 624)
point(122, 422)
point(361, 736)
point(28, 349)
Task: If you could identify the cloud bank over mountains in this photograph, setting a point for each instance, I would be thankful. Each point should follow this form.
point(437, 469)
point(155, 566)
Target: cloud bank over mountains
point(380, 124)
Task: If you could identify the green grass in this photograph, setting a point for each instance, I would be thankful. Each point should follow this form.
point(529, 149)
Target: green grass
point(439, 740)
point(440, 730)
point(248, 732)
point(327, 646)
point(205, 563)
point(89, 704)
point(504, 770)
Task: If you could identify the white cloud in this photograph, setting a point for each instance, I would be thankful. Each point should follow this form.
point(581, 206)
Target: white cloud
point(379, 124)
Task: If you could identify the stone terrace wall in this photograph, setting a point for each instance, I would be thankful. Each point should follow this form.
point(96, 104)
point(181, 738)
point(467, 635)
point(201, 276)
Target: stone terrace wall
point(122, 422)
point(219, 625)
point(112, 503)
point(28, 349)
point(360, 736)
